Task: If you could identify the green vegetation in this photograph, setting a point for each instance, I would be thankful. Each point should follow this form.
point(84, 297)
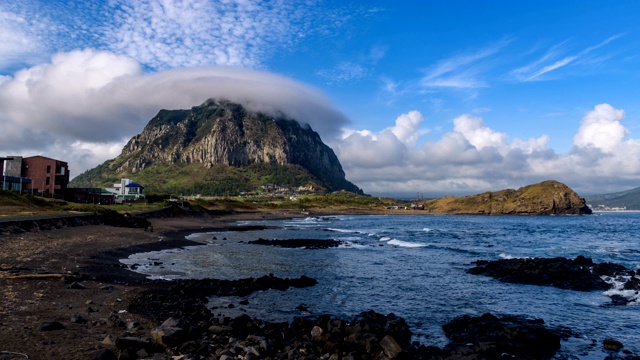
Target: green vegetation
point(193, 179)
point(629, 199)
point(15, 205)
point(548, 197)
point(12, 204)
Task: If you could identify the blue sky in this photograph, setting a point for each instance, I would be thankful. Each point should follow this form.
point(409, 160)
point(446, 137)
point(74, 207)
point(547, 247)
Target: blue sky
point(437, 97)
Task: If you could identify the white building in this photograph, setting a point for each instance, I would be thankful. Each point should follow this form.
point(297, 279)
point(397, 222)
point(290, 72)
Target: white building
point(127, 190)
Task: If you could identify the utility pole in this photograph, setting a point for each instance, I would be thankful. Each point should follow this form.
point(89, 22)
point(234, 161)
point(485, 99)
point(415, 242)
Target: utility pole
point(4, 172)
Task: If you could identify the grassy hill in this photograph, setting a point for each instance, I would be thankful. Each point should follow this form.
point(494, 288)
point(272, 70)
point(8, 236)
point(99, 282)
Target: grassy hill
point(629, 199)
point(192, 179)
point(547, 197)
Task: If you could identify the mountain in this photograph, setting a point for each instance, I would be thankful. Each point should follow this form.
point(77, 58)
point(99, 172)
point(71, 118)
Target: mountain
point(545, 198)
point(220, 147)
point(629, 199)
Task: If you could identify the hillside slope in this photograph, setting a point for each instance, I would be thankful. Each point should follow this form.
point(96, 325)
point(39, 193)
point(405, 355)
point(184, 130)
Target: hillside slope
point(220, 147)
point(545, 198)
point(629, 199)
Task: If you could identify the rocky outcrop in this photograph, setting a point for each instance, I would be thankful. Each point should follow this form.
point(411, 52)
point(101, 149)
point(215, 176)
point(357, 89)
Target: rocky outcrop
point(299, 243)
point(580, 274)
point(221, 133)
point(189, 330)
point(545, 198)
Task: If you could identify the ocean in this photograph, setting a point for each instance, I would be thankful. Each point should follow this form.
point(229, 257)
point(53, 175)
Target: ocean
point(415, 266)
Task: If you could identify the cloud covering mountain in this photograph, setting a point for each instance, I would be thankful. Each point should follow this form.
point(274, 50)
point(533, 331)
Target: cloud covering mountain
point(423, 97)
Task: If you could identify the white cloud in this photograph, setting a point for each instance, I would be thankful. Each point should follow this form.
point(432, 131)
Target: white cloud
point(407, 127)
point(473, 129)
point(553, 60)
point(18, 38)
point(473, 158)
point(602, 129)
point(162, 34)
point(462, 71)
point(99, 98)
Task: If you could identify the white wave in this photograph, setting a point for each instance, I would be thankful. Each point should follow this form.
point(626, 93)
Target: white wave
point(350, 245)
point(427, 229)
point(618, 289)
point(385, 238)
point(401, 243)
point(509, 257)
point(341, 230)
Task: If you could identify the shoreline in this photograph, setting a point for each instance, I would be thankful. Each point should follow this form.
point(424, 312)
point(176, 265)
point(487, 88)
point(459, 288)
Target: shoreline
point(95, 297)
point(59, 275)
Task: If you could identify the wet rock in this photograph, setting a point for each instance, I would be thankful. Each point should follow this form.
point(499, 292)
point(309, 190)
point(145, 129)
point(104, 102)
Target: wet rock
point(489, 336)
point(132, 325)
point(51, 326)
point(390, 347)
point(77, 319)
point(170, 333)
point(102, 354)
point(110, 340)
point(619, 300)
point(632, 284)
point(579, 274)
point(77, 286)
point(612, 344)
point(299, 243)
point(132, 344)
point(113, 218)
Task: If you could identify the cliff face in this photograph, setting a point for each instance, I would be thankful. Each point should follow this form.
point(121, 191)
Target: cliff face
point(223, 133)
point(546, 198)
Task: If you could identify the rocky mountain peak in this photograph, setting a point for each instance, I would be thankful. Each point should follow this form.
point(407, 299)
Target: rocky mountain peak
point(220, 132)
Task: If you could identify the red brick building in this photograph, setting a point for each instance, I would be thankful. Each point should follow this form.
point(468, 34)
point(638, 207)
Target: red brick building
point(48, 176)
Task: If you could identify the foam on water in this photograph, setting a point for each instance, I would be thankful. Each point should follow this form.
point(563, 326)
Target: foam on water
point(509, 257)
point(341, 230)
point(632, 296)
point(406, 244)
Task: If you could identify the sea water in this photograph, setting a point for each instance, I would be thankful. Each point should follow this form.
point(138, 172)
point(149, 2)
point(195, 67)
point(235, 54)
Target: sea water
point(415, 266)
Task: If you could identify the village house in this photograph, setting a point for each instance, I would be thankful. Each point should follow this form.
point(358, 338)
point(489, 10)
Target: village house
point(126, 189)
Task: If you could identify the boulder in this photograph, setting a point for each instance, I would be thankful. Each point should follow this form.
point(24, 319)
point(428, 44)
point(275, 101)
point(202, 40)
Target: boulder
point(102, 354)
point(490, 336)
point(51, 326)
point(612, 344)
point(170, 333)
point(390, 347)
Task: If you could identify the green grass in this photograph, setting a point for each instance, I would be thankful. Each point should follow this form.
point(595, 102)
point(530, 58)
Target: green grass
point(194, 179)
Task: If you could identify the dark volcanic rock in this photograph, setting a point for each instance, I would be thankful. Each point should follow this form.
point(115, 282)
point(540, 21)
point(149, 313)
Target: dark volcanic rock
point(113, 218)
point(187, 298)
point(299, 243)
point(579, 274)
point(492, 337)
point(102, 354)
point(51, 326)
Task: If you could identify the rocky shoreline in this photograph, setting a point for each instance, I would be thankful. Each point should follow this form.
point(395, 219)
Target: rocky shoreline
point(580, 274)
point(189, 330)
point(65, 295)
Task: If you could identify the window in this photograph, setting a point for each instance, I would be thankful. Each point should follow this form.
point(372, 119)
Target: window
point(48, 181)
point(48, 170)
